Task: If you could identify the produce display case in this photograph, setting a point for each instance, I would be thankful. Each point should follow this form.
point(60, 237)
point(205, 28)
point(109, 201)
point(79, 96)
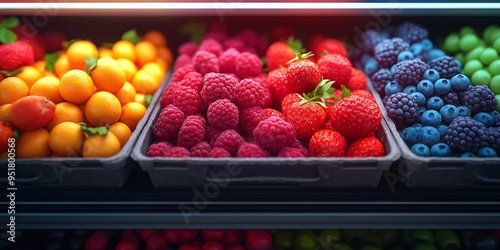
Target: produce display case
point(139, 204)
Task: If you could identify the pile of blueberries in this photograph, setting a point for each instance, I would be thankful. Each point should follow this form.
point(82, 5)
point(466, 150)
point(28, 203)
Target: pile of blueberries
point(436, 109)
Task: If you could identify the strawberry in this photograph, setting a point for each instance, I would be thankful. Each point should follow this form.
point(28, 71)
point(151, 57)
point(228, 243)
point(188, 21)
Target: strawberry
point(5, 133)
point(314, 41)
point(366, 147)
point(288, 100)
point(364, 93)
point(331, 46)
point(336, 68)
point(38, 46)
point(327, 143)
point(355, 116)
point(15, 55)
point(357, 80)
point(302, 75)
point(280, 53)
point(53, 40)
point(278, 84)
point(281, 33)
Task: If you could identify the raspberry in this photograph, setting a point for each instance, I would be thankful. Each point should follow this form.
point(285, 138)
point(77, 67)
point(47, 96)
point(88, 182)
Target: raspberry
point(193, 80)
point(168, 123)
point(158, 149)
point(217, 35)
point(182, 61)
point(267, 98)
point(386, 52)
point(235, 43)
point(248, 65)
point(335, 67)
point(380, 79)
point(452, 97)
point(179, 74)
point(288, 152)
point(250, 150)
point(466, 134)
point(176, 152)
point(227, 60)
point(446, 66)
point(268, 112)
point(250, 118)
point(222, 114)
point(217, 86)
point(357, 80)
point(188, 49)
point(401, 108)
point(229, 140)
point(166, 96)
point(411, 32)
point(211, 134)
point(219, 153)
point(250, 36)
point(192, 131)
point(248, 93)
point(368, 40)
point(187, 100)
point(205, 62)
point(409, 72)
point(479, 99)
point(211, 45)
point(273, 134)
point(201, 149)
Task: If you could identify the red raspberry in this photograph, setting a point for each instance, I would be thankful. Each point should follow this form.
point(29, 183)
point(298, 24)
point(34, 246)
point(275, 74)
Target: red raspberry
point(273, 134)
point(217, 86)
point(335, 67)
point(366, 147)
point(296, 144)
point(229, 140)
point(288, 152)
point(357, 80)
point(217, 35)
point(222, 114)
point(268, 112)
point(187, 100)
point(158, 149)
point(219, 153)
point(331, 46)
point(248, 65)
point(182, 61)
point(188, 48)
point(234, 43)
point(248, 93)
point(250, 118)
point(211, 45)
point(267, 98)
point(227, 60)
point(166, 96)
point(278, 84)
point(193, 80)
point(364, 93)
point(168, 123)
point(211, 134)
point(201, 149)
point(176, 152)
point(192, 131)
point(251, 150)
point(327, 143)
point(179, 74)
point(205, 62)
point(250, 36)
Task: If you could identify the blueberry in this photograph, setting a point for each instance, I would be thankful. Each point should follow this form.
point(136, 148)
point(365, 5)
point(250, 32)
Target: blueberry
point(486, 152)
point(435, 103)
point(440, 150)
point(420, 149)
point(427, 44)
point(460, 82)
point(484, 118)
point(463, 111)
point(405, 55)
point(393, 68)
point(392, 87)
point(448, 113)
point(416, 48)
point(431, 118)
point(410, 89)
point(495, 114)
point(371, 66)
point(443, 129)
point(425, 87)
point(458, 63)
point(467, 155)
point(365, 58)
point(419, 98)
point(431, 75)
point(417, 126)
point(435, 53)
point(442, 86)
point(428, 135)
point(409, 135)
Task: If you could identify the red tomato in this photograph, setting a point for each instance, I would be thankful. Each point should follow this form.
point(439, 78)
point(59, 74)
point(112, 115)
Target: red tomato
point(98, 240)
point(234, 246)
point(127, 245)
point(259, 240)
point(187, 235)
point(156, 242)
point(172, 236)
point(213, 234)
point(232, 236)
point(189, 247)
point(212, 245)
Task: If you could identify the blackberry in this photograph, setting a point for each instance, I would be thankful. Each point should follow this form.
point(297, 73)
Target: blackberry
point(401, 108)
point(411, 32)
point(446, 66)
point(380, 79)
point(452, 98)
point(494, 138)
point(479, 99)
point(386, 52)
point(369, 40)
point(497, 121)
point(467, 134)
point(409, 72)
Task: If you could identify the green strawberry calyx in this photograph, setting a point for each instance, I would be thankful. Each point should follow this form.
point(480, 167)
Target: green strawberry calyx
point(295, 44)
point(90, 131)
point(323, 91)
point(131, 36)
point(301, 56)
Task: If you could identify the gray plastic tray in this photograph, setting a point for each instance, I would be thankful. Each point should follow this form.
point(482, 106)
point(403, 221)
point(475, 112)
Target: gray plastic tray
point(82, 172)
point(339, 172)
point(417, 171)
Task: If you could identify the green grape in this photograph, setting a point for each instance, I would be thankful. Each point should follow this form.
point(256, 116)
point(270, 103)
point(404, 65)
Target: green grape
point(472, 66)
point(474, 54)
point(467, 30)
point(487, 33)
point(488, 56)
point(495, 85)
point(495, 35)
point(460, 57)
point(481, 77)
point(496, 45)
point(451, 43)
point(468, 42)
point(494, 68)
point(498, 99)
